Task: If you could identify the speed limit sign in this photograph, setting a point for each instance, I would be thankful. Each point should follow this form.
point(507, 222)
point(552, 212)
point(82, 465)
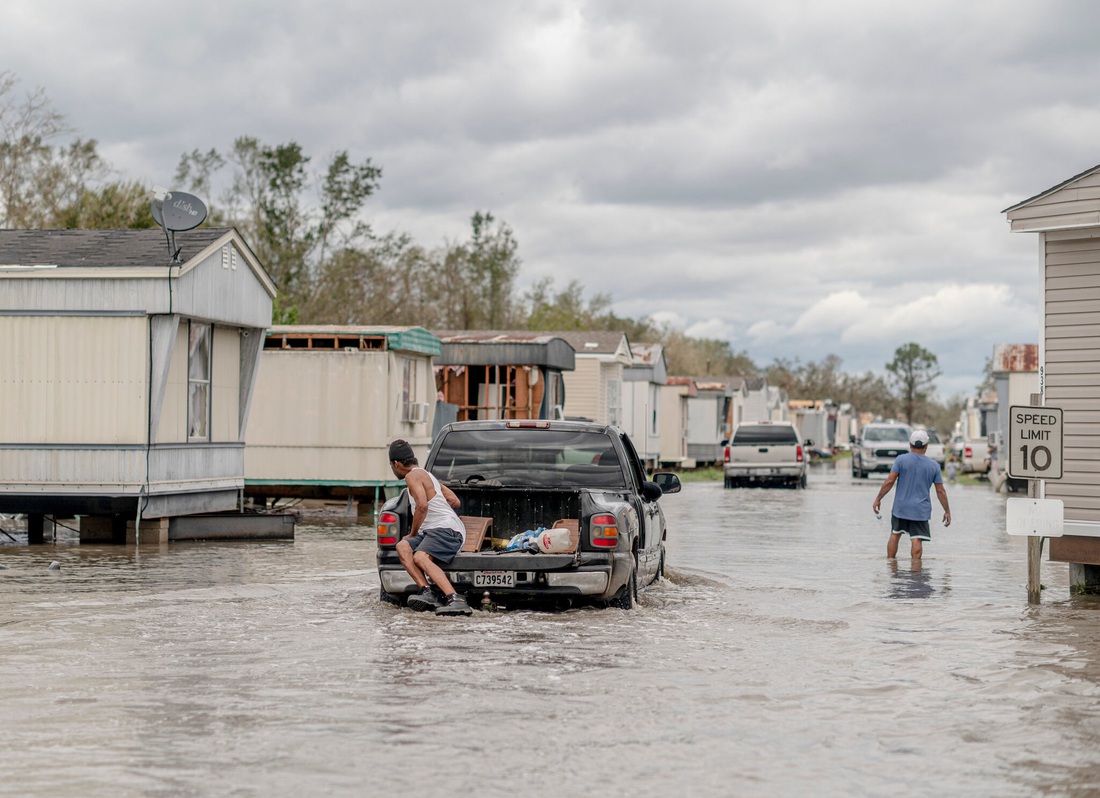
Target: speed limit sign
point(1034, 442)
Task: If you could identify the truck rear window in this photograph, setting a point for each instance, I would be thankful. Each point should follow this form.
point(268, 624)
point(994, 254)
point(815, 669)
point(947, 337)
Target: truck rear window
point(529, 458)
point(764, 435)
point(886, 434)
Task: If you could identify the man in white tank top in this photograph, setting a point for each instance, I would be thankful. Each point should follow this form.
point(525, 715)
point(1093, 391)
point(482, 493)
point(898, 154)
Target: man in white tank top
point(437, 534)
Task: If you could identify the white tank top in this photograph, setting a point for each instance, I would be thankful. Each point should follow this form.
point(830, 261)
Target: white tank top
point(440, 514)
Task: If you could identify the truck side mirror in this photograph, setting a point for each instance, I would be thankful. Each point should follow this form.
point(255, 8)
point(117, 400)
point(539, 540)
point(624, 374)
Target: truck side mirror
point(665, 481)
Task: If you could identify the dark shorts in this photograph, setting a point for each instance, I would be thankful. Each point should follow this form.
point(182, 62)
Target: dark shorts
point(915, 529)
point(441, 544)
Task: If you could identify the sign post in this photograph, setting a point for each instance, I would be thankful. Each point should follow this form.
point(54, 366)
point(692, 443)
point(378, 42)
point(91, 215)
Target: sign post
point(1034, 453)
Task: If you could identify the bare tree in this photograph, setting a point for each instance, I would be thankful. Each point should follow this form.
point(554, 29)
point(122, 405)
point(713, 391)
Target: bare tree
point(40, 181)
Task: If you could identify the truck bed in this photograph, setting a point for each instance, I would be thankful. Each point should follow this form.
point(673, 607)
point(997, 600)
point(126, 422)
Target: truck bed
point(517, 510)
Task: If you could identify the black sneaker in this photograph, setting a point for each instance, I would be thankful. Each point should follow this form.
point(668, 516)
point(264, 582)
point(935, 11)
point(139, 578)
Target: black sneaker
point(454, 604)
point(423, 600)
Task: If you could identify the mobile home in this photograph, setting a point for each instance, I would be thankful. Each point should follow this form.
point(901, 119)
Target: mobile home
point(1066, 219)
point(128, 374)
point(329, 399)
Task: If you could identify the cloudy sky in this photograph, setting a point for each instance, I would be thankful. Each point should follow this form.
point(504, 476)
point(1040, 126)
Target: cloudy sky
point(798, 178)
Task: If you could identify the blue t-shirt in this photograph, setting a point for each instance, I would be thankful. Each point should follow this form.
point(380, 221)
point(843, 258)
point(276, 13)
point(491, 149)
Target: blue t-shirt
point(916, 476)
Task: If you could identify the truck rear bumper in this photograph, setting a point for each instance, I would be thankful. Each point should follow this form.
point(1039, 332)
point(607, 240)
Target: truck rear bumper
point(764, 471)
point(573, 583)
point(763, 474)
point(598, 576)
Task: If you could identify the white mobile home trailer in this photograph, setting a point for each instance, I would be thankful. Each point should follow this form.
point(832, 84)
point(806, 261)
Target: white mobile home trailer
point(329, 399)
point(642, 382)
point(127, 375)
point(594, 389)
point(675, 396)
point(711, 411)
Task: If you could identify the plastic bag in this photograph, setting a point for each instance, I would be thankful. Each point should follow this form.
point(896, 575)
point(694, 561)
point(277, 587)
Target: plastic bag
point(525, 541)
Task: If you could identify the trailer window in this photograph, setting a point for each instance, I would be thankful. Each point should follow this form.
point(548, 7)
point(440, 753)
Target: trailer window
point(198, 381)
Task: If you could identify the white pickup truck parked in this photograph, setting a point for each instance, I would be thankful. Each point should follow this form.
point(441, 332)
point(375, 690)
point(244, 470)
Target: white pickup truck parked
point(765, 453)
point(973, 455)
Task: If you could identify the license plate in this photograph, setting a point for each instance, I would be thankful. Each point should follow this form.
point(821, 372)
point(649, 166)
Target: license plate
point(495, 579)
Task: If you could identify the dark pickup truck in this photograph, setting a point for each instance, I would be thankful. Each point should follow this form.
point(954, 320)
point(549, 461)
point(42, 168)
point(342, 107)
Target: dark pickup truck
point(514, 476)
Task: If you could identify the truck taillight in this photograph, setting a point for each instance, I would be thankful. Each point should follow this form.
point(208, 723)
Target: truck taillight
point(969, 452)
point(726, 456)
point(798, 453)
point(605, 531)
point(387, 529)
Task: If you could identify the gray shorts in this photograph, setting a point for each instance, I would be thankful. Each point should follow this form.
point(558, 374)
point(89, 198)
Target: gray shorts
point(915, 529)
point(442, 544)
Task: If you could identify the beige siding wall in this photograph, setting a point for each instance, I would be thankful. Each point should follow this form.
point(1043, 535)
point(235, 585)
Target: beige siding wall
point(673, 401)
point(73, 379)
point(226, 390)
point(1076, 205)
point(640, 405)
point(173, 414)
point(329, 417)
point(1072, 369)
point(582, 389)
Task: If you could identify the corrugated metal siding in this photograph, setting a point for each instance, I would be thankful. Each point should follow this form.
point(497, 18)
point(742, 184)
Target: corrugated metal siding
point(641, 406)
point(1072, 369)
point(190, 467)
point(674, 410)
point(73, 379)
point(52, 294)
point(320, 399)
point(330, 416)
point(226, 390)
point(86, 470)
point(222, 294)
point(702, 421)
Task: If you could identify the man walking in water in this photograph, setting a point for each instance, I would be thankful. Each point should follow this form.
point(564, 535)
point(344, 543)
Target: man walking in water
point(915, 474)
point(437, 534)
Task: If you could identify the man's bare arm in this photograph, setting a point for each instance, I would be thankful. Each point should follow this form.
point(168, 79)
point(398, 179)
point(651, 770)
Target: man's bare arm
point(941, 494)
point(887, 483)
point(415, 482)
point(451, 498)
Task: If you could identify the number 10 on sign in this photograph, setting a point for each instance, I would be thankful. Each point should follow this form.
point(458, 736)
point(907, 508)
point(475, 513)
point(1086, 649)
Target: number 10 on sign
point(1034, 442)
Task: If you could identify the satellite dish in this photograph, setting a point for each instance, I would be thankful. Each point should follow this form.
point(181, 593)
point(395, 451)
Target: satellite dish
point(176, 211)
point(180, 211)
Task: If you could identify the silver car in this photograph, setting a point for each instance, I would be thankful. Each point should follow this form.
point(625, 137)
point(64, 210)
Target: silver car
point(878, 446)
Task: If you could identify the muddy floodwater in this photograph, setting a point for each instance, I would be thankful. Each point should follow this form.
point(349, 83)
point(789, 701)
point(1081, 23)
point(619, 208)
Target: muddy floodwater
point(783, 655)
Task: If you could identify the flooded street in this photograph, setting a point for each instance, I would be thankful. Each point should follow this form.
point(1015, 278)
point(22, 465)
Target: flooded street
point(784, 655)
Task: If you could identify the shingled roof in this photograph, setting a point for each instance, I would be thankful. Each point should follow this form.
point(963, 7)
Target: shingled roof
point(106, 248)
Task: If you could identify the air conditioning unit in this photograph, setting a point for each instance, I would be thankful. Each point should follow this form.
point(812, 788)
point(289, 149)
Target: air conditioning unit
point(418, 412)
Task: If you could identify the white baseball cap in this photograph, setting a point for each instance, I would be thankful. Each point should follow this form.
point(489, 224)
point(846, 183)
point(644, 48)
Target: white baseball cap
point(919, 438)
